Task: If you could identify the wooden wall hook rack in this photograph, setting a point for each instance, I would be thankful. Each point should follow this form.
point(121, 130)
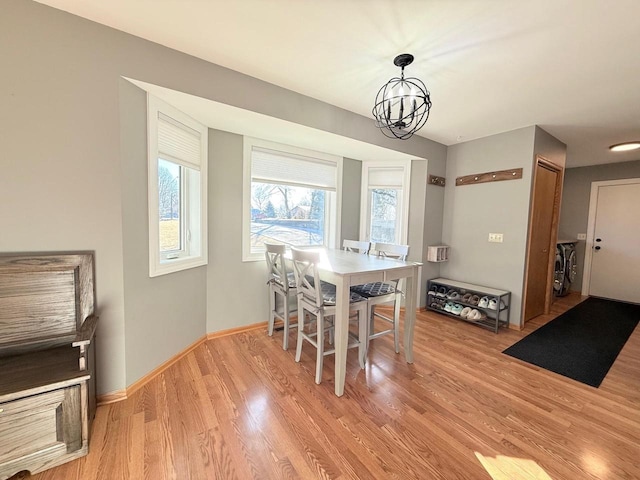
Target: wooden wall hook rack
point(435, 180)
point(498, 176)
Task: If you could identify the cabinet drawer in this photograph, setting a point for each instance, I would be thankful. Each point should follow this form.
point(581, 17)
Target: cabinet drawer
point(47, 423)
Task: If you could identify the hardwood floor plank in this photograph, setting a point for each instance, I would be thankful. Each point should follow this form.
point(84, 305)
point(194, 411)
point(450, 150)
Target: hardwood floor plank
point(239, 407)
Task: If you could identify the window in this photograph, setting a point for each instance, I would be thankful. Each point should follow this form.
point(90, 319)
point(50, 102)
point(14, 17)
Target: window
point(177, 169)
point(291, 197)
point(385, 194)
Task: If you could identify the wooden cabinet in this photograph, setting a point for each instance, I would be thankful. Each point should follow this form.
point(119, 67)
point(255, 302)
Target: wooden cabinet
point(47, 372)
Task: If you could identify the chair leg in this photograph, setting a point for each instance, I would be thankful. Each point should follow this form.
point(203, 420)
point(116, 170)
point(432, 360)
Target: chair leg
point(363, 335)
point(285, 338)
point(396, 323)
point(300, 330)
point(331, 335)
point(320, 349)
point(272, 308)
point(369, 321)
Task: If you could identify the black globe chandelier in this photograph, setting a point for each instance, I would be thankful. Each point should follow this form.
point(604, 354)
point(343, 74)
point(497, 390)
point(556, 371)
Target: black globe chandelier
point(402, 104)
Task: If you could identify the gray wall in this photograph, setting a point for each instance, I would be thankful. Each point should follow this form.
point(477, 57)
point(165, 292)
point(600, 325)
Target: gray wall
point(471, 212)
point(64, 165)
point(574, 213)
point(432, 226)
point(236, 290)
point(351, 188)
point(166, 312)
point(417, 211)
point(549, 147)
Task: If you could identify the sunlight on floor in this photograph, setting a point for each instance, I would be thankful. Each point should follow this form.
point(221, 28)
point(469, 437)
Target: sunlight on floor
point(595, 465)
point(257, 412)
point(502, 467)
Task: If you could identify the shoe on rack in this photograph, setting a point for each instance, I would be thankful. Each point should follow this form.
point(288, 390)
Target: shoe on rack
point(465, 311)
point(442, 292)
point(484, 302)
point(493, 303)
point(473, 315)
point(477, 315)
point(453, 295)
point(456, 309)
point(448, 306)
point(433, 290)
point(466, 298)
point(475, 299)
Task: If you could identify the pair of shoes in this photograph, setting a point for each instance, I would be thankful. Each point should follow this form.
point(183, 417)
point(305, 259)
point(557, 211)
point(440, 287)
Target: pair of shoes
point(456, 309)
point(493, 304)
point(438, 303)
point(473, 314)
point(484, 302)
point(453, 295)
point(442, 292)
point(466, 298)
point(433, 290)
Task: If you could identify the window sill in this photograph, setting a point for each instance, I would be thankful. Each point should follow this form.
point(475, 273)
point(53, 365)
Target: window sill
point(176, 265)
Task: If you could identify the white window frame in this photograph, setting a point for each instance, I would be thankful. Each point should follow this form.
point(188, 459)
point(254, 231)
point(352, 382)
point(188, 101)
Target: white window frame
point(402, 222)
point(333, 206)
point(194, 252)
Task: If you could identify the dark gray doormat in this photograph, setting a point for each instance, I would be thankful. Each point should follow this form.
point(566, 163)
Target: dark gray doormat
point(583, 342)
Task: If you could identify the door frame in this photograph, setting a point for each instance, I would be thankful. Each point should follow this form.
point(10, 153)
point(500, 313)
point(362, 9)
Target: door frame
point(591, 226)
point(553, 237)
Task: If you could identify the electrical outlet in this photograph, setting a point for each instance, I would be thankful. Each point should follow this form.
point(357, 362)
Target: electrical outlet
point(582, 236)
point(495, 237)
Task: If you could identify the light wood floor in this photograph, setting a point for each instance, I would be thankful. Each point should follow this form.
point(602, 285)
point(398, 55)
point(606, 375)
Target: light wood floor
point(240, 407)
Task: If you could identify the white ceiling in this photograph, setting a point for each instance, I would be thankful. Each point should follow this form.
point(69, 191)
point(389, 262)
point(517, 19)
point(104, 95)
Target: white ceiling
point(570, 66)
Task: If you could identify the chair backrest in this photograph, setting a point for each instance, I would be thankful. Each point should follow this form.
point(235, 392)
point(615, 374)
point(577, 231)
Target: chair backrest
point(392, 250)
point(356, 246)
point(276, 265)
point(306, 273)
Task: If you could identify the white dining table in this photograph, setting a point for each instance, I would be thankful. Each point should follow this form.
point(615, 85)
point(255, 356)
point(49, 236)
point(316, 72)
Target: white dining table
point(345, 269)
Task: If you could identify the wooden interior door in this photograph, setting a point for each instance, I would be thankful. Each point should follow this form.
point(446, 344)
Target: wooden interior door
point(543, 224)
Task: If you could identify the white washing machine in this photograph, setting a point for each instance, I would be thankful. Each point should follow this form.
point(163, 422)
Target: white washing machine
point(565, 269)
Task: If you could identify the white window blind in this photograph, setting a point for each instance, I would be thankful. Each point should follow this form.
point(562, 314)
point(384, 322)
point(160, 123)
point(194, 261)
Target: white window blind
point(271, 166)
point(178, 143)
point(386, 177)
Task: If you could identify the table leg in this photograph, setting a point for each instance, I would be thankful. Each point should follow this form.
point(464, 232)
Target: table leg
point(341, 333)
point(409, 317)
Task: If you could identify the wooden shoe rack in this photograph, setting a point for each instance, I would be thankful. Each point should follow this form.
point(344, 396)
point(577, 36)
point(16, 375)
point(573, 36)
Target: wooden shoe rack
point(495, 318)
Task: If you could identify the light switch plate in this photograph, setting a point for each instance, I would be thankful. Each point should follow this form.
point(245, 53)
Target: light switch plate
point(496, 237)
point(582, 236)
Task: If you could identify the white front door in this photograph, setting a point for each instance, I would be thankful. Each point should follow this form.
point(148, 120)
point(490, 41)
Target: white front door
point(614, 242)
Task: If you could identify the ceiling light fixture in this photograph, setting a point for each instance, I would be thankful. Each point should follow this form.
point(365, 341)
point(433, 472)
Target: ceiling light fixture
point(402, 104)
point(624, 147)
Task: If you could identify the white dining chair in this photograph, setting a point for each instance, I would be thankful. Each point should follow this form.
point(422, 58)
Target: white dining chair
point(356, 246)
point(318, 299)
point(378, 293)
point(282, 283)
